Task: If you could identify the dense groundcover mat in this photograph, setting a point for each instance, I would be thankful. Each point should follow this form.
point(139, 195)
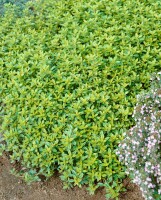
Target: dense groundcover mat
point(70, 72)
point(20, 5)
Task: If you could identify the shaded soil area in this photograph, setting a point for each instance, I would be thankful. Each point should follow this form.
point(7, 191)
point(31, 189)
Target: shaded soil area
point(13, 188)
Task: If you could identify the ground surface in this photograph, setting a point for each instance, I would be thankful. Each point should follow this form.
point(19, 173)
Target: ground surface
point(12, 188)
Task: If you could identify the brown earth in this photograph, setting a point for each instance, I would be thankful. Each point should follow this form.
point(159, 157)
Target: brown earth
point(13, 188)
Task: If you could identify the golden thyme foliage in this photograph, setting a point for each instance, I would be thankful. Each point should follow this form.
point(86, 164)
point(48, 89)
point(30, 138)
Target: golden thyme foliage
point(20, 5)
point(70, 72)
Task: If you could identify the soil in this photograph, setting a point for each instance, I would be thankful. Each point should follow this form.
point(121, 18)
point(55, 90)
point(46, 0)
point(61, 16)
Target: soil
point(13, 188)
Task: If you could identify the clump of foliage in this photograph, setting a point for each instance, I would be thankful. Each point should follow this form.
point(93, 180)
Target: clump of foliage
point(70, 73)
point(19, 3)
point(141, 148)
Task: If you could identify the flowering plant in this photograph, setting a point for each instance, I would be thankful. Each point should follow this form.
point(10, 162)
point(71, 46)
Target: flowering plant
point(141, 148)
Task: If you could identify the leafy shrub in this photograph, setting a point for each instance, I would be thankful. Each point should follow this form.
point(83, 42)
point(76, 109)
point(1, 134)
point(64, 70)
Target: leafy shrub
point(70, 73)
point(19, 3)
point(141, 148)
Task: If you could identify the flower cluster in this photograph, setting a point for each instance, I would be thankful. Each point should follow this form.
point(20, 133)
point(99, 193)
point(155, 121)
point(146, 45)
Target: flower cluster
point(141, 148)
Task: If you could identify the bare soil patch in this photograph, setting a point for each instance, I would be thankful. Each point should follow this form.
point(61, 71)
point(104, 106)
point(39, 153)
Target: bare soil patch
point(13, 188)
